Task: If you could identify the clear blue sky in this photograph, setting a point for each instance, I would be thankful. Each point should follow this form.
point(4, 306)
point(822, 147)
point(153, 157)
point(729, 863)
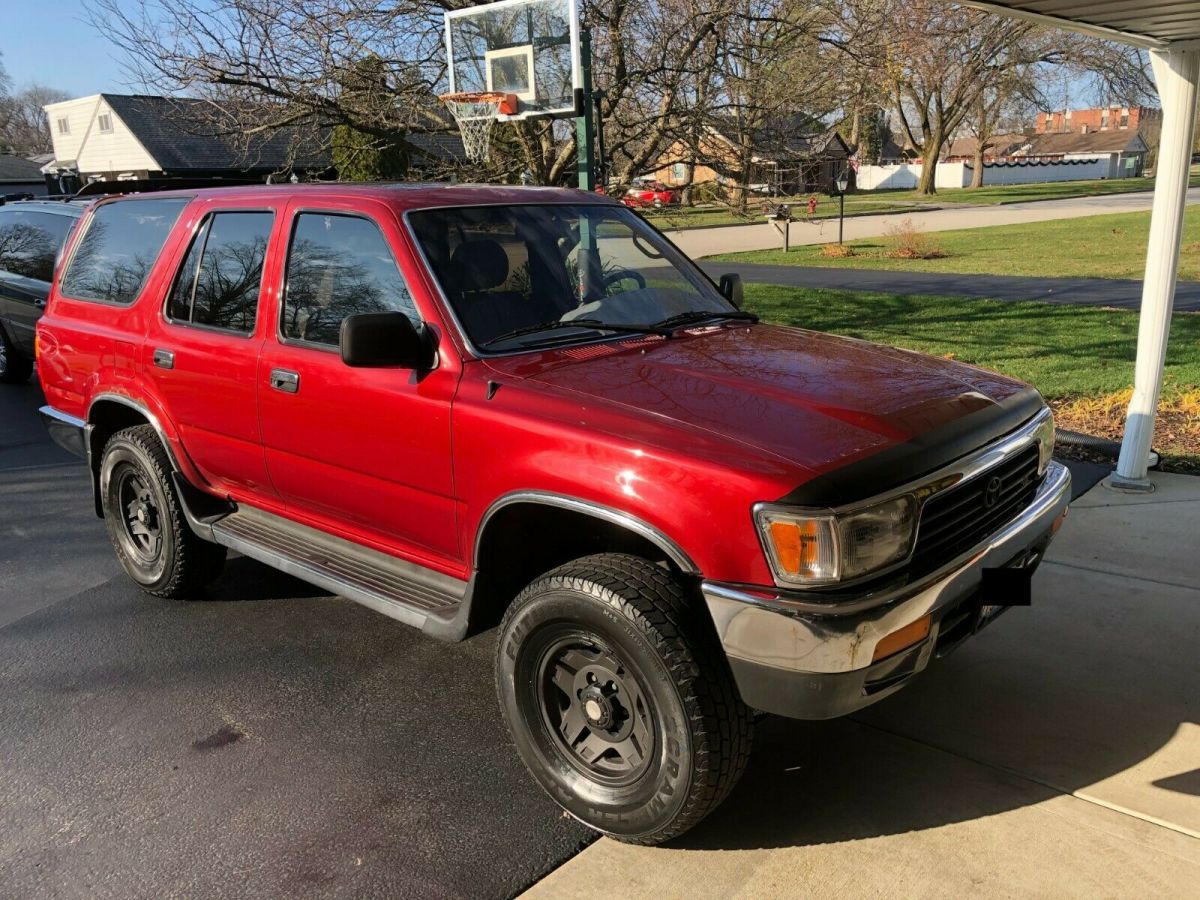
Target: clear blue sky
point(50, 43)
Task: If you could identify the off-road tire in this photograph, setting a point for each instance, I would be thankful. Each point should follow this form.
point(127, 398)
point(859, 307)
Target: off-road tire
point(135, 461)
point(15, 366)
point(650, 633)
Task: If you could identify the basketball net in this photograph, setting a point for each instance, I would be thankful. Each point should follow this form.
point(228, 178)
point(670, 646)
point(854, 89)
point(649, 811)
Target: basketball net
point(475, 114)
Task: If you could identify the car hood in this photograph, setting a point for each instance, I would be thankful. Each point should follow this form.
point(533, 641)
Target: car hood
point(813, 399)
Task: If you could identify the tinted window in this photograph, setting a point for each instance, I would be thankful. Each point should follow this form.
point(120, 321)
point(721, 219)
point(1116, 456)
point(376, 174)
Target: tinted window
point(219, 280)
point(30, 241)
point(121, 244)
point(338, 266)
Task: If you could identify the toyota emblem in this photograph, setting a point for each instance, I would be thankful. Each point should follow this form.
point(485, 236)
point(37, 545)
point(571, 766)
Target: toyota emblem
point(991, 493)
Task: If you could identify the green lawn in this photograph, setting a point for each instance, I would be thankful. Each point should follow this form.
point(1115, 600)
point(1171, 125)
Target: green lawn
point(1112, 246)
point(1064, 351)
point(869, 202)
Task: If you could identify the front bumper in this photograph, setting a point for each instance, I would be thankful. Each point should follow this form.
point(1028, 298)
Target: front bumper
point(798, 657)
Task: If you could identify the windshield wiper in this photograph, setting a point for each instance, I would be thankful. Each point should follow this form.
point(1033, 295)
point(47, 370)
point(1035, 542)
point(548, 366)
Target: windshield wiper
point(594, 324)
point(694, 316)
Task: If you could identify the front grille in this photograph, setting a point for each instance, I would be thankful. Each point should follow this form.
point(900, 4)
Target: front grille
point(960, 517)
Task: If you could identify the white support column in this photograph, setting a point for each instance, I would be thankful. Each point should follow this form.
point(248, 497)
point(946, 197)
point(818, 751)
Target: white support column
point(1176, 73)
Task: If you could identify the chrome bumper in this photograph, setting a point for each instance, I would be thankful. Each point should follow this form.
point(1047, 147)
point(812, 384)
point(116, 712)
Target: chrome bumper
point(793, 642)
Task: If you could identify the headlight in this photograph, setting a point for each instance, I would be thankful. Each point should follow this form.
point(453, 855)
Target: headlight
point(1045, 438)
point(819, 549)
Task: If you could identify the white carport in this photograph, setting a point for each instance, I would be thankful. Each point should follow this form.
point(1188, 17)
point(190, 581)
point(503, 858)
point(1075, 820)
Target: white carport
point(1170, 31)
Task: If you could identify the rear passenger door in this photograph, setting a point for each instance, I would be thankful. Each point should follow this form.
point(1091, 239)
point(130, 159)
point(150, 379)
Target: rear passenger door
point(202, 351)
point(30, 241)
point(363, 452)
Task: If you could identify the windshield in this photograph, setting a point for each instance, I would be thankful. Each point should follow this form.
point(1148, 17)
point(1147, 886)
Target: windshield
point(537, 275)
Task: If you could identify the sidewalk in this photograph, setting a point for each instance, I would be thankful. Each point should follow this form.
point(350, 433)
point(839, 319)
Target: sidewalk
point(699, 242)
point(1055, 754)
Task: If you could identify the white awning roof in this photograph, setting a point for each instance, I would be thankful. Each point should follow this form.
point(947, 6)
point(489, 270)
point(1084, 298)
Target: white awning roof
point(1153, 24)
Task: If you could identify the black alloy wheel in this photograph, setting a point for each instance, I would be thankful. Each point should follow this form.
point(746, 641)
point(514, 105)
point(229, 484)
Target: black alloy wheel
point(594, 707)
point(619, 698)
point(145, 518)
point(140, 530)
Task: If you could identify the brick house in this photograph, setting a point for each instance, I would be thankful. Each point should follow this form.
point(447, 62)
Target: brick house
point(1101, 118)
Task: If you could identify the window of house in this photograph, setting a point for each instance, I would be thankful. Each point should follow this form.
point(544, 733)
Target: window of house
point(120, 246)
point(105, 123)
point(219, 282)
point(1104, 119)
point(30, 241)
point(64, 125)
point(678, 172)
point(1125, 118)
point(338, 266)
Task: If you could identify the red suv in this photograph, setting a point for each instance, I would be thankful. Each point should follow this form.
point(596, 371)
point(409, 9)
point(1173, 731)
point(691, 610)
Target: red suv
point(653, 194)
point(468, 405)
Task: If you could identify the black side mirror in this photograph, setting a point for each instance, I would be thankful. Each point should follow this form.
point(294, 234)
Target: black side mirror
point(385, 339)
point(731, 288)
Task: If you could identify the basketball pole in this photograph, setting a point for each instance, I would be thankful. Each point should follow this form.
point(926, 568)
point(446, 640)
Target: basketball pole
point(585, 126)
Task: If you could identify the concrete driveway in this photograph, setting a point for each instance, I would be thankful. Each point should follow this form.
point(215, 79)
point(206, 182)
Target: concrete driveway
point(1056, 754)
point(698, 242)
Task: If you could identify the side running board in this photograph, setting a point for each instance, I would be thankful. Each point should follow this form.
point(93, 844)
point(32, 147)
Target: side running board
point(413, 594)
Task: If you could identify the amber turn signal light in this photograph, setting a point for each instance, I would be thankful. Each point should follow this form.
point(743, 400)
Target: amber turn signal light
point(906, 637)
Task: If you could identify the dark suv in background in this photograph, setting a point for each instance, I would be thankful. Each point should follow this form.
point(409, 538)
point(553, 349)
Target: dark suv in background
point(32, 233)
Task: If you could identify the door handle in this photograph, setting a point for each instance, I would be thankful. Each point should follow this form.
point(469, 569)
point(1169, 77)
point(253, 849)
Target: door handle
point(285, 380)
point(164, 359)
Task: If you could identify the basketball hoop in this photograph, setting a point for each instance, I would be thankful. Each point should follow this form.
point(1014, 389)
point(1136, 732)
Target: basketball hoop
point(475, 113)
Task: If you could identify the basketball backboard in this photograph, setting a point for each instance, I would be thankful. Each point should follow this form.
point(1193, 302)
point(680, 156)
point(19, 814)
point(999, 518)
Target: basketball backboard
point(529, 48)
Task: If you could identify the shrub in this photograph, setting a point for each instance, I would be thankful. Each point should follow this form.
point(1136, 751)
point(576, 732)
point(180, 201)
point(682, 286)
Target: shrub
point(837, 251)
point(910, 242)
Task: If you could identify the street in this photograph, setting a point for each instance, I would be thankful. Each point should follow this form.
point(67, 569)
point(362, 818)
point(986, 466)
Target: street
point(697, 242)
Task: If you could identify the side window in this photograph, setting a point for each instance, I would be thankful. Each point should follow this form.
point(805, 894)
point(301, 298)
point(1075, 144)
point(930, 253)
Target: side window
point(338, 265)
point(122, 242)
point(219, 281)
point(30, 241)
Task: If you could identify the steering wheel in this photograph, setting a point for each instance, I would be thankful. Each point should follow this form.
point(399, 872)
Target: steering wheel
point(617, 275)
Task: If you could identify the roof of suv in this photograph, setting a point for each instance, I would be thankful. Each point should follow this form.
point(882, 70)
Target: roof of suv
point(406, 195)
point(67, 207)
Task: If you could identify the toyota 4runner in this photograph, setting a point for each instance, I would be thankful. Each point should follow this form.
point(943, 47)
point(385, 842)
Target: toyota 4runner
point(462, 406)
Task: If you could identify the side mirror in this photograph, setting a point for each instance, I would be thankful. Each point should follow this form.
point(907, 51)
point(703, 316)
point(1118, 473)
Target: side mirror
point(731, 288)
point(385, 339)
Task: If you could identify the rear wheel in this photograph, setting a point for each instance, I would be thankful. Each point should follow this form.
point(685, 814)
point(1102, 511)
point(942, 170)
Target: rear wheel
point(620, 704)
point(145, 518)
point(15, 367)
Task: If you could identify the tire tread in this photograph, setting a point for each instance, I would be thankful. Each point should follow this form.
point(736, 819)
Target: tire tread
point(654, 599)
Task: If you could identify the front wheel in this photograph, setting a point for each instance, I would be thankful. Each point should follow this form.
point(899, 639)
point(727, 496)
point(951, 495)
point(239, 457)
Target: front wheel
point(619, 701)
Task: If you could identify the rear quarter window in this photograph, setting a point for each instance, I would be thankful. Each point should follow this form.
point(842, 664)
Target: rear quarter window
point(117, 251)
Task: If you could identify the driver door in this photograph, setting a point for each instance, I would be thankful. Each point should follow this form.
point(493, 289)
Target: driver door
point(360, 452)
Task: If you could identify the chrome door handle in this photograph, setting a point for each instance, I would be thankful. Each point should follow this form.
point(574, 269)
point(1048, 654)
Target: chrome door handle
point(164, 359)
point(285, 380)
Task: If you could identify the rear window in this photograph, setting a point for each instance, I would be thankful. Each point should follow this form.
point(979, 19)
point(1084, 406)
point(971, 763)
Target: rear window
point(118, 249)
point(30, 241)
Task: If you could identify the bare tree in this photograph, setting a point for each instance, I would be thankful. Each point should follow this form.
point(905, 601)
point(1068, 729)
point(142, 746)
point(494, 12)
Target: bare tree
point(268, 65)
point(24, 127)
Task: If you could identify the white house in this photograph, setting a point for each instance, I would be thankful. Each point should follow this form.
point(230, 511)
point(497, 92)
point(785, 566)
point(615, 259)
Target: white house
point(114, 137)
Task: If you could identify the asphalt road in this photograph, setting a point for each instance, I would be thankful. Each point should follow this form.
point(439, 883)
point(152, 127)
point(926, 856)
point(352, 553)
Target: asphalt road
point(1117, 293)
point(266, 742)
